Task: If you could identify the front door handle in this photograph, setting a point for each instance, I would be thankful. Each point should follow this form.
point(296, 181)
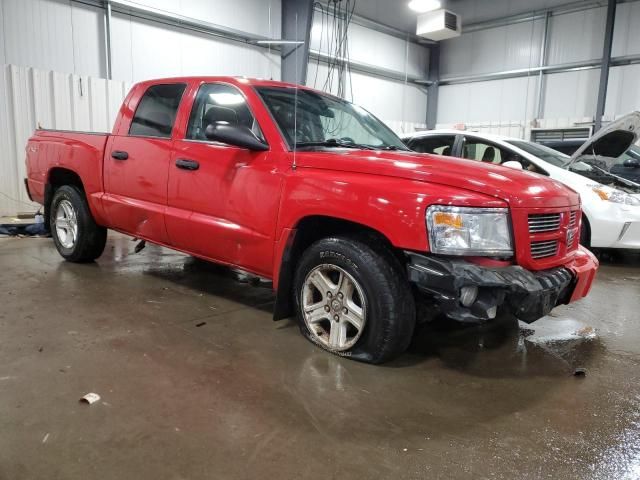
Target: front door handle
point(119, 155)
point(187, 164)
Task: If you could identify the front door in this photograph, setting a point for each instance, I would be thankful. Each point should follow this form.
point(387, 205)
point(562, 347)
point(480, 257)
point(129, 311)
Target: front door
point(136, 165)
point(223, 200)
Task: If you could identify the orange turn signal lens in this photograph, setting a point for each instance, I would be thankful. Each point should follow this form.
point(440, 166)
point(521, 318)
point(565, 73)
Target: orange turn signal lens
point(601, 193)
point(446, 218)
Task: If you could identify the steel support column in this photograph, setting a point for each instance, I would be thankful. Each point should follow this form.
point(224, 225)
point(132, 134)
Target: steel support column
point(107, 39)
point(542, 62)
point(296, 25)
point(432, 88)
point(605, 64)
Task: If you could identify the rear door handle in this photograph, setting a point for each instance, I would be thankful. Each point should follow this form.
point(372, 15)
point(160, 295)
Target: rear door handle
point(119, 155)
point(187, 164)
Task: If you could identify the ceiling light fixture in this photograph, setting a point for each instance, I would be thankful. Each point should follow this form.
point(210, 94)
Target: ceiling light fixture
point(423, 6)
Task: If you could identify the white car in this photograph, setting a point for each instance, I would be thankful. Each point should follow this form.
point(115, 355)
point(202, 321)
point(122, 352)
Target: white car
point(611, 211)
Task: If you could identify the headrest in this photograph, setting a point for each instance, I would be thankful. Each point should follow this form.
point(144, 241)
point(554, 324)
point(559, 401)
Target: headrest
point(217, 114)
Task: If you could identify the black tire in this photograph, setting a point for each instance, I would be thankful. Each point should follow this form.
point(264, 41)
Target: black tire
point(91, 237)
point(390, 306)
point(585, 232)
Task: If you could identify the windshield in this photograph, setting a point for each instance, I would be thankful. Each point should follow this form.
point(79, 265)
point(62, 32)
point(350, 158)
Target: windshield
point(326, 121)
point(632, 153)
point(544, 153)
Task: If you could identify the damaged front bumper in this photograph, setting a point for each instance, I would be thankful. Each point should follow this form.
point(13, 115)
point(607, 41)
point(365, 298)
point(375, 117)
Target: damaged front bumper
point(468, 292)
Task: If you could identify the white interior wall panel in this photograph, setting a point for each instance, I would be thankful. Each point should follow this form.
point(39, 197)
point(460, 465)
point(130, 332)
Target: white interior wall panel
point(497, 49)
point(623, 93)
point(626, 34)
point(53, 35)
point(142, 49)
point(502, 101)
point(473, 11)
point(576, 36)
point(260, 17)
point(48, 99)
point(371, 47)
point(571, 94)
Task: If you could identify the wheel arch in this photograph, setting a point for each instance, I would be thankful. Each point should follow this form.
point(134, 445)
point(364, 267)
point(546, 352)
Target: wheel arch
point(56, 177)
point(305, 232)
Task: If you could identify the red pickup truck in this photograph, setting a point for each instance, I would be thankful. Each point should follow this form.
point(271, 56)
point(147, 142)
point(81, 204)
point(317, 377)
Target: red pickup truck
point(316, 194)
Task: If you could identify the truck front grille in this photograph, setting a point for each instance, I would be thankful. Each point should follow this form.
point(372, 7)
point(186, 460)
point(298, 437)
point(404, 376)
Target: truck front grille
point(544, 248)
point(545, 222)
point(572, 219)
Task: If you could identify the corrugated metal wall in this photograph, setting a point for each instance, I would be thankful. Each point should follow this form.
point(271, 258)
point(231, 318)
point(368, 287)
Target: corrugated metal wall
point(402, 105)
point(569, 96)
point(142, 49)
point(57, 74)
point(47, 99)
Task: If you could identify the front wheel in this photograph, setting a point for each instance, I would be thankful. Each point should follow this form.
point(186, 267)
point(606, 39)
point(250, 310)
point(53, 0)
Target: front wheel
point(75, 233)
point(353, 300)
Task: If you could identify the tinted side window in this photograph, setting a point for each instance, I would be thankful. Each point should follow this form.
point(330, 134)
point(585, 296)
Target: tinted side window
point(157, 111)
point(440, 145)
point(220, 104)
point(487, 152)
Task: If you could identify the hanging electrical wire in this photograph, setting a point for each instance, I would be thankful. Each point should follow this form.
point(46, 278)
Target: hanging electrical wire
point(335, 19)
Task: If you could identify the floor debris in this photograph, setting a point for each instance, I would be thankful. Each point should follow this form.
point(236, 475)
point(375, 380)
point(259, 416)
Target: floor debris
point(90, 398)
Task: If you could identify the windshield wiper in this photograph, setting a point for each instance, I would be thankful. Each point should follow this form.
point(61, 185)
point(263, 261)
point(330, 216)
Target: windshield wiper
point(391, 147)
point(333, 142)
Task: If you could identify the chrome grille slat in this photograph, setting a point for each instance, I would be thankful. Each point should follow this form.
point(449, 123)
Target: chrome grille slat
point(544, 222)
point(572, 219)
point(544, 248)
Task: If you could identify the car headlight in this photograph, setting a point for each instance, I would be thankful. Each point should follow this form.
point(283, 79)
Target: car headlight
point(613, 195)
point(469, 231)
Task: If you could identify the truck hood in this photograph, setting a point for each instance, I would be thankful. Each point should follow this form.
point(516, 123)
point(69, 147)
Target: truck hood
point(520, 189)
point(609, 143)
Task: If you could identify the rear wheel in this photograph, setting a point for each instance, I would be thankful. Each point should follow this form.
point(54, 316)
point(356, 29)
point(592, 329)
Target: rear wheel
point(75, 233)
point(353, 300)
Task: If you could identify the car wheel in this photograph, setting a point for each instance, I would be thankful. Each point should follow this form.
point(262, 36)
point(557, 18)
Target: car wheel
point(353, 299)
point(75, 233)
point(585, 232)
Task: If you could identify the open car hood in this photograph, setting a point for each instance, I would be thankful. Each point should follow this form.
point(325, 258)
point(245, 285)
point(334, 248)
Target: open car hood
point(609, 143)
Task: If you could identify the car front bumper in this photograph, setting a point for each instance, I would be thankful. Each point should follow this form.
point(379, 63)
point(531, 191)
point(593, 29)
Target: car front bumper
point(526, 294)
point(615, 226)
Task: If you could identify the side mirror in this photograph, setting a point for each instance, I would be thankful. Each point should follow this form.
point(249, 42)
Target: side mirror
point(513, 164)
point(631, 163)
point(236, 135)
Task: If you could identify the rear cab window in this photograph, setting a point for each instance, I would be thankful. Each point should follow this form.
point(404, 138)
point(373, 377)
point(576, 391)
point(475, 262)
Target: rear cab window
point(156, 112)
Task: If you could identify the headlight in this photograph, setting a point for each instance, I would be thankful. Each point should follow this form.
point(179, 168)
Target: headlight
point(613, 195)
point(469, 231)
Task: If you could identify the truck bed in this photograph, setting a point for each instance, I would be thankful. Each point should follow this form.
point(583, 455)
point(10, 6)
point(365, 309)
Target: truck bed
point(78, 152)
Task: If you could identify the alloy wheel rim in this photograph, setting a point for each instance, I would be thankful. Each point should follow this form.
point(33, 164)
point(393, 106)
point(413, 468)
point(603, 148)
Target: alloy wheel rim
point(66, 223)
point(333, 307)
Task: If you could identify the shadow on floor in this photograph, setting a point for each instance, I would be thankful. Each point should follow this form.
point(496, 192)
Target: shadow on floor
point(498, 349)
point(218, 280)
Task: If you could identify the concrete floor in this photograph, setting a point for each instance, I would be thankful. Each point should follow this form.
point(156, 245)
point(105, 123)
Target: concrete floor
point(197, 382)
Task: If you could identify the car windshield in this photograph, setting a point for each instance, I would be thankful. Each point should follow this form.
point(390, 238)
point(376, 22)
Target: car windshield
point(544, 153)
point(632, 153)
point(325, 121)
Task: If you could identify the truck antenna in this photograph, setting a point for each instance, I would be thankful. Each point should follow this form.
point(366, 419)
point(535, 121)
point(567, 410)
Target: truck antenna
point(295, 104)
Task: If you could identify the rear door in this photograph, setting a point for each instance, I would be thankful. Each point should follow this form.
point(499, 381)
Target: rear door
point(223, 200)
point(136, 164)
